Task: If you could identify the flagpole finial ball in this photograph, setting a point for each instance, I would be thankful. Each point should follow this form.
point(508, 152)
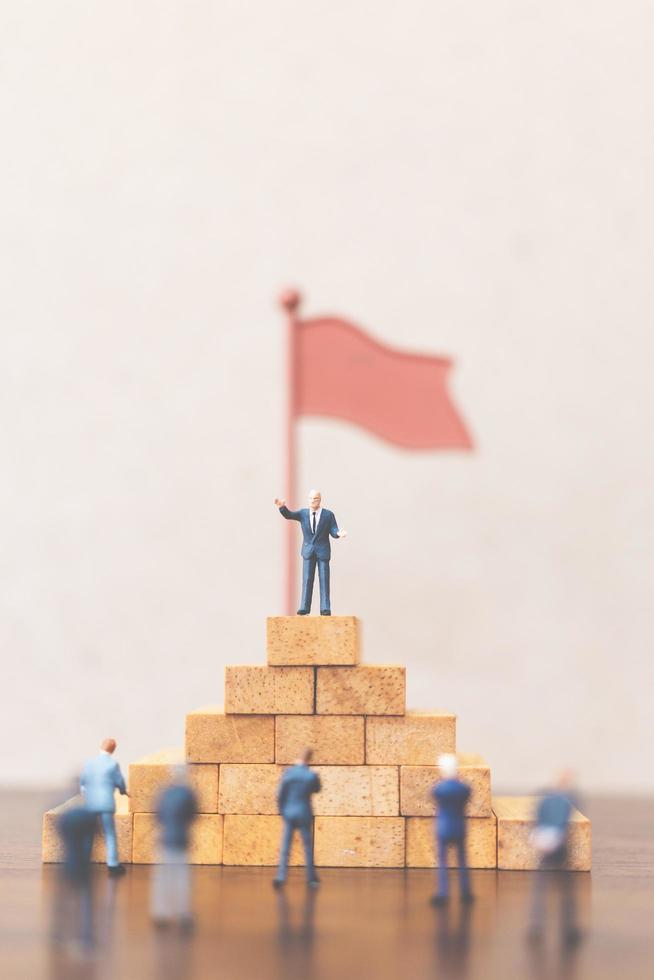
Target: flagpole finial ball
point(289, 300)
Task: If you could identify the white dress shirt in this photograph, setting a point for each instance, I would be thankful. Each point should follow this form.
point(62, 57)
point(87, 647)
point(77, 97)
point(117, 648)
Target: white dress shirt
point(317, 513)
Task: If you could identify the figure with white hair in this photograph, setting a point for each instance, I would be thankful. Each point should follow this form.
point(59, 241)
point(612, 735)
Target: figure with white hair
point(451, 795)
point(317, 524)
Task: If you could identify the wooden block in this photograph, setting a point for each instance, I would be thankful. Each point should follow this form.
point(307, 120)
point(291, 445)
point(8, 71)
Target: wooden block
point(366, 690)
point(213, 736)
point(249, 789)
point(352, 791)
point(515, 822)
point(335, 739)
point(255, 840)
point(417, 783)
point(51, 847)
point(269, 690)
point(359, 842)
point(313, 640)
point(149, 776)
point(417, 739)
point(206, 839)
point(481, 843)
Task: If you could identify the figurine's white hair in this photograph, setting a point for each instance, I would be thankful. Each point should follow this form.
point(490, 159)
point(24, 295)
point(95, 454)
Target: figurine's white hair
point(313, 492)
point(448, 765)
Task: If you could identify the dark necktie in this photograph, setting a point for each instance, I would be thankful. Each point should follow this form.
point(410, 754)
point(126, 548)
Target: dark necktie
point(313, 517)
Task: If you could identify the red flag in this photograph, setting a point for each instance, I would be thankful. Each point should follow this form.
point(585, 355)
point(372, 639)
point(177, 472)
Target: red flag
point(338, 370)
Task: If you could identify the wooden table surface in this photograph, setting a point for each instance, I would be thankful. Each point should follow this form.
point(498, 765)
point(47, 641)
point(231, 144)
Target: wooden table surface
point(360, 924)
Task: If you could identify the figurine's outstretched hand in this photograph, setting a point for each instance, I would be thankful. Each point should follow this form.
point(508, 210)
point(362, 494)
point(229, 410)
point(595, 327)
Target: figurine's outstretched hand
point(279, 503)
point(342, 534)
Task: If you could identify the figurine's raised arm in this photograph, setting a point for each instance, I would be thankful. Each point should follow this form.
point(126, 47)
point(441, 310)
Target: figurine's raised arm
point(290, 515)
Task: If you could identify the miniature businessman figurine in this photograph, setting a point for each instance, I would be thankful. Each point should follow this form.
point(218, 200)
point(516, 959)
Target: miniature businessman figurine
point(177, 808)
point(296, 787)
point(73, 900)
point(451, 795)
point(317, 525)
point(100, 777)
point(550, 841)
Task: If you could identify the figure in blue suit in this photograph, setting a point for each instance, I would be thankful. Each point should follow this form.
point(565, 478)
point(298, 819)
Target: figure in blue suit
point(177, 808)
point(550, 841)
point(451, 795)
point(296, 788)
point(317, 525)
point(100, 777)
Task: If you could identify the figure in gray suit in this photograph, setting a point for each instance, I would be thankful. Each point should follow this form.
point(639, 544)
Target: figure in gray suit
point(296, 787)
point(317, 525)
point(101, 776)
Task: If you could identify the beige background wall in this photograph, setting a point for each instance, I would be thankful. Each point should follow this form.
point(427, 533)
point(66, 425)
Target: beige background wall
point(471, 179)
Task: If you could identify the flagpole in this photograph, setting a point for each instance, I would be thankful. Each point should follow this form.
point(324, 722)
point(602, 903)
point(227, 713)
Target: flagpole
point(290, 302)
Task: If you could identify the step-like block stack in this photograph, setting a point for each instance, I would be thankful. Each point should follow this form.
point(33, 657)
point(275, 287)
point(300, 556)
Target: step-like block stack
point(376, 762)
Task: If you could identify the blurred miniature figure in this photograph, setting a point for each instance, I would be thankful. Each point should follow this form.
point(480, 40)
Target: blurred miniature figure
point(296, 787)
point(100, 777)
point(550, 840)
point(177, 808)
point(451, 795)
point(73, 907)
point(317, 525)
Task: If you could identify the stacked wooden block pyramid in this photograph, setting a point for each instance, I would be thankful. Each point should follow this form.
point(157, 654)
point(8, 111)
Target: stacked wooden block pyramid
point(376, 762)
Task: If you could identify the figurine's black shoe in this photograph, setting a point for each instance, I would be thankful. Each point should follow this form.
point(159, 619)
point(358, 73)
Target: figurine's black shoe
point(116, 869)
point(313, 883)
point(325, 612)
point(467, 898)
point(278, 883)
point(438, 900)
point(303, 612)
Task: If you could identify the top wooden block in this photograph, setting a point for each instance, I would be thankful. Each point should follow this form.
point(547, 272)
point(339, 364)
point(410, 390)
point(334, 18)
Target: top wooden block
point(332, 641)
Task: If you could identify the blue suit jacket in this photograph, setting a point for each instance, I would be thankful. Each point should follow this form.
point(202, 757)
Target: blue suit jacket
point(451, 797)
point(294, 795)
point(100, 777)
point(318, 545)
point(177, 808)
point(555, 809)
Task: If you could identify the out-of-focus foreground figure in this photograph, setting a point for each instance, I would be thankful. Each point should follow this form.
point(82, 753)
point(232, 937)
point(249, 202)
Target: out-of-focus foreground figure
point(550, 839)
point(177, 808)
point(451, 795)
point(101, 777)
point(72, 924)
point(296, 788)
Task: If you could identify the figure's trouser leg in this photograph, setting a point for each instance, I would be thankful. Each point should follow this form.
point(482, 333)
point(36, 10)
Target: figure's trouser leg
point(160, 888)
point(323, 578)
point(287, 836)
point(308, 574)
point(182, 885)
point(464, 874)
point(109, 831)
point(305, 833)
point(568, 905)
point(86, 912)
point(442, 866)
